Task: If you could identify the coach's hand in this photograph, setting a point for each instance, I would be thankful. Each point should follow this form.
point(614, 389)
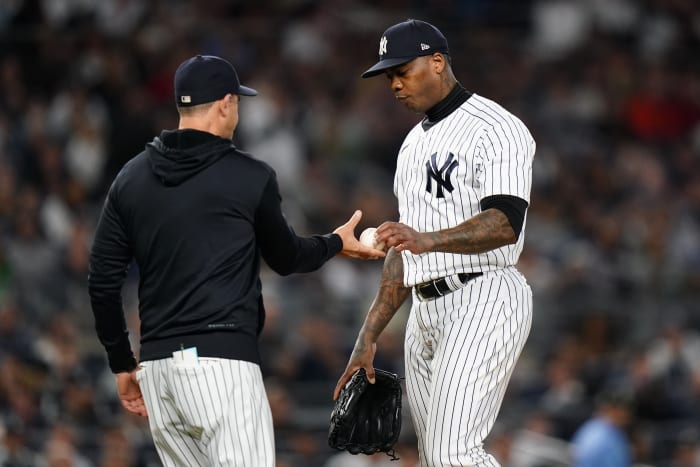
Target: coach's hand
point(352, 248)
point(130, 393)
point(362, 357)
point(403, 237)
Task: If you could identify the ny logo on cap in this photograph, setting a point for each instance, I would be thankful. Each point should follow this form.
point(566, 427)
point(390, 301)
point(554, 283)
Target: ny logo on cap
point(382, 45)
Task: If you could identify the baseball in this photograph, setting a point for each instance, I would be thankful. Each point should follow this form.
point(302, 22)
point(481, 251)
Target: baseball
point(367, 238)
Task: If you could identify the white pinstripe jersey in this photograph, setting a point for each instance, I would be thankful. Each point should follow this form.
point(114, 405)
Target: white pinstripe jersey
point(443, 173)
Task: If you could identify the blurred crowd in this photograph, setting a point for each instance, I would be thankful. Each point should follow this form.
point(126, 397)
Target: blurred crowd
point(609, 89)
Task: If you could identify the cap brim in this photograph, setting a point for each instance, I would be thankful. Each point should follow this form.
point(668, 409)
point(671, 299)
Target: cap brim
point(385, 64)
point(246, 91)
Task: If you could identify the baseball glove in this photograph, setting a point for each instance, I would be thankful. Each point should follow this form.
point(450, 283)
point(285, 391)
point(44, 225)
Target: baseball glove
point(367, 417)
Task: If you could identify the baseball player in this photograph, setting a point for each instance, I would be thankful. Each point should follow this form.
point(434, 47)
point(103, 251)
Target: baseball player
point(462, 181)
point(197, 214)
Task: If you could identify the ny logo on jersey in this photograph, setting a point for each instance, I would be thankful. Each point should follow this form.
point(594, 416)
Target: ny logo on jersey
point(441, 175)
point(382, 45)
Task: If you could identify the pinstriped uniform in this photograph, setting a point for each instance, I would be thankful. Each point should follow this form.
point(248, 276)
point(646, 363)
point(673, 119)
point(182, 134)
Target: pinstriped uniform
point(494, 152)
point(461, 348)
point(212, 413)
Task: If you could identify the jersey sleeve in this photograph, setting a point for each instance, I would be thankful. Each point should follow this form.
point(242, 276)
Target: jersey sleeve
point(507, 152)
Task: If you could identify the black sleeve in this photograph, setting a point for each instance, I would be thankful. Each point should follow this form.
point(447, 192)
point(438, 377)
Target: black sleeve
point(513, 207)
point(281, 248)
point(109, 261)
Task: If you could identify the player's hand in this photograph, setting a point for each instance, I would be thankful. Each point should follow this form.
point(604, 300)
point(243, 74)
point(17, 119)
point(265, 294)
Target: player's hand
point(129, 393)
point(352, 248)
point(403, 237)
point(362, 357)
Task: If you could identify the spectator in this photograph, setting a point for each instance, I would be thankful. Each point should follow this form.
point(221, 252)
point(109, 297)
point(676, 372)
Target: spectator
point(601, 441)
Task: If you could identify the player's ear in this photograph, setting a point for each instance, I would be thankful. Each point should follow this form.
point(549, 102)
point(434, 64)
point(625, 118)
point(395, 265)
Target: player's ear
point(225, 104)
point(438, 62)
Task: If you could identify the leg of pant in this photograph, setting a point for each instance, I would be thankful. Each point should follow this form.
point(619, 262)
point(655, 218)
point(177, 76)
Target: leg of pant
point(417, 359)
point(175, 447)
point(484, 330)
point(214, 413)
point(245, 435)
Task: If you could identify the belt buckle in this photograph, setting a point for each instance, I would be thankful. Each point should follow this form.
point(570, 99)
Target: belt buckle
point(428, 285)
point(419, 290)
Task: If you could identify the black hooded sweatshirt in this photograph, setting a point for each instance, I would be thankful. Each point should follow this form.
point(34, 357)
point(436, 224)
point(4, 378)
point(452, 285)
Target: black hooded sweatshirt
point(196, 214)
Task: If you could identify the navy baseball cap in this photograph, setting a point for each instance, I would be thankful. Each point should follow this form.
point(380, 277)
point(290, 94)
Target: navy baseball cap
point(405, 41)
point(207, 78)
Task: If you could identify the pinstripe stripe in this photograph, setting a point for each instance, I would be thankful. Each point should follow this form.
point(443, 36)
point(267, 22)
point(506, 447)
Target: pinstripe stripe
point(219, 394)
point(214, 413)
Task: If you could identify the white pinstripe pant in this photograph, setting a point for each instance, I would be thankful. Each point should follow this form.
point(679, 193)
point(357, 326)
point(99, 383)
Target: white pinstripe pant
point(460, 351)
point(214, 413)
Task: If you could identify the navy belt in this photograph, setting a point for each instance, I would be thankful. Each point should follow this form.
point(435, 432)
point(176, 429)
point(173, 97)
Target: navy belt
point(444, 285)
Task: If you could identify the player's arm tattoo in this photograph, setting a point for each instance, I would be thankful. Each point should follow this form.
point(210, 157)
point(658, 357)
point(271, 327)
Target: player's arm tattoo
point(486, 231)
point(390, 296)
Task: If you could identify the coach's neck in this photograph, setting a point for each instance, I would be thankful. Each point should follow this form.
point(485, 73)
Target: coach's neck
point(219, 117)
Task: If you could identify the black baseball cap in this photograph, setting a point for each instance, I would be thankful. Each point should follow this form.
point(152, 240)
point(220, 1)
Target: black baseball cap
point(405, 41)
point(206, 78)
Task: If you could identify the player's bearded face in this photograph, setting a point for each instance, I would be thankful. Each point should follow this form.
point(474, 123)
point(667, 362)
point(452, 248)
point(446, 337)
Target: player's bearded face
point(415, 84)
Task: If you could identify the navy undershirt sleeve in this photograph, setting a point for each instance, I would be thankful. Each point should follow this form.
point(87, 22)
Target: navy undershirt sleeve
point(513, 207)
